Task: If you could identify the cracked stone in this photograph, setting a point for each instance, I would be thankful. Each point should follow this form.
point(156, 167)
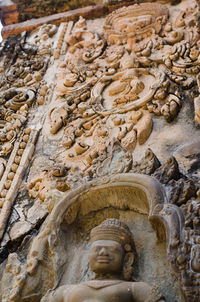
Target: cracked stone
point(36, 213)
point(19, 229)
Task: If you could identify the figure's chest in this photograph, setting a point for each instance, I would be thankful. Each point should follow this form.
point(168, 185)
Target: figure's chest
point(117, 293)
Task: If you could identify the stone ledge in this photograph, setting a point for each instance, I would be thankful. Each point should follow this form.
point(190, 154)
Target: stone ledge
point(8, 12)
point(16, 11)
point(73, 15)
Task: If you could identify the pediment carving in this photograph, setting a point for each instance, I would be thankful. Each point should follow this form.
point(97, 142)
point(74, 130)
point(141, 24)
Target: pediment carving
point(97, 94)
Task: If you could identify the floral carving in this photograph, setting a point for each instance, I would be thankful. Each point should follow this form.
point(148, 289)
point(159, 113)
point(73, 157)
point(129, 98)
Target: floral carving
point(111, 85)
point(111, 88)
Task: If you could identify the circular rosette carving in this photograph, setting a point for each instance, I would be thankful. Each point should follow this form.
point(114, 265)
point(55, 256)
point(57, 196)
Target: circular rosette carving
point(125, 91)
point(15, 98)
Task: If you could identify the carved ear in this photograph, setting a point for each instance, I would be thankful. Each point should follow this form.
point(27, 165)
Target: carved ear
point(129, 259)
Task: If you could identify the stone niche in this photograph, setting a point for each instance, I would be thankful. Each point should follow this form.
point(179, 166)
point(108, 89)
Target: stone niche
point(60, 251)
point(153, 266)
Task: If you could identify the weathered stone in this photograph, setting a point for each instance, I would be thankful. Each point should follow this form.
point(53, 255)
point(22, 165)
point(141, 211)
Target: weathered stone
point(19, 229)
point(36, 213)
point(168, 171)
point(188, 156)
point(148, 164)
point(91, 11)
point(8, 12)
point(81, 102)
point(17, 11)
point(112, 239)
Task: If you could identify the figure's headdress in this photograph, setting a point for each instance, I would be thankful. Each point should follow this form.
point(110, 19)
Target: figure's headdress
point(113, 229)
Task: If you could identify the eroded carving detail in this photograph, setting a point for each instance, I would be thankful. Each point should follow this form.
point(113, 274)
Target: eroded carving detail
point(12, 176)
point(112, 257)
point(23, 65)
point(138, 68)
point(49, 238)
point(109, 87)
point(183, 249)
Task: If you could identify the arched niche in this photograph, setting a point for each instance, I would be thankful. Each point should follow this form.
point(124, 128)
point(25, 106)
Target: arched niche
point(63, 242)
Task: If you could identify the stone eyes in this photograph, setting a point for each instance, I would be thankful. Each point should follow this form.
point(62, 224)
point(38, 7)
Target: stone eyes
point(110, 249)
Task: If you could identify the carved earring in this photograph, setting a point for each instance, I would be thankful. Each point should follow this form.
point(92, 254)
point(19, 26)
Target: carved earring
point(128, 265)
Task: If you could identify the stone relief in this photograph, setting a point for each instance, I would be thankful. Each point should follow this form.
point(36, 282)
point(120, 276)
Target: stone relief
point(111, 255)
point(181, 213)
point(49, 240)
point(110, 88)
point(142, 64)
point(63, 178)
point(183, 191)
point(123, 79)
point(22, 66)
point(181, 234)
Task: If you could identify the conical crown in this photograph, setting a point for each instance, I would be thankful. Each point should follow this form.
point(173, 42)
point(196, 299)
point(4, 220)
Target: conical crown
point(112, 229)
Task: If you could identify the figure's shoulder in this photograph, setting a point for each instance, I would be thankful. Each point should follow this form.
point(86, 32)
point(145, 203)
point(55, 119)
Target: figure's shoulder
point(58, 294)
point(141, 288)
point(143, 292)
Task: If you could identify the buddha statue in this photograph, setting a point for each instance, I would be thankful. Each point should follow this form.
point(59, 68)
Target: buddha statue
point(111, 258)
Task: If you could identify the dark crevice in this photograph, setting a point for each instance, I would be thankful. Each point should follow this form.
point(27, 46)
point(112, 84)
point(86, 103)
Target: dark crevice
point(21, 245)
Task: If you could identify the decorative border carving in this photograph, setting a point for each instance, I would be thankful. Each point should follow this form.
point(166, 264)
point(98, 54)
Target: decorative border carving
point(12, 177)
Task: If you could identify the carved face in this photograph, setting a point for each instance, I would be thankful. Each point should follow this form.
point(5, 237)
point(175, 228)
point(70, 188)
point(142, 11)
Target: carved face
point(106, 256)
point(132, 24)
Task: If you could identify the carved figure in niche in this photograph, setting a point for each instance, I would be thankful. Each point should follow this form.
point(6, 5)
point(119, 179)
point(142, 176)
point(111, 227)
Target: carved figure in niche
point(111, 258)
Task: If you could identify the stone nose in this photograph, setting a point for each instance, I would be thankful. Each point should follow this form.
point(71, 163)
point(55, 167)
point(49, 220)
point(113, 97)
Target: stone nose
point(103, 252)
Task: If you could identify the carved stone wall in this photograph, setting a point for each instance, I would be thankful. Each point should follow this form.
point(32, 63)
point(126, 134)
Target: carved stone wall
point(100, 118)
point(14, 11)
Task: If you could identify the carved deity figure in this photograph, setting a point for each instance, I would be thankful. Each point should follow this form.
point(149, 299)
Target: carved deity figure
point(111, 258)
